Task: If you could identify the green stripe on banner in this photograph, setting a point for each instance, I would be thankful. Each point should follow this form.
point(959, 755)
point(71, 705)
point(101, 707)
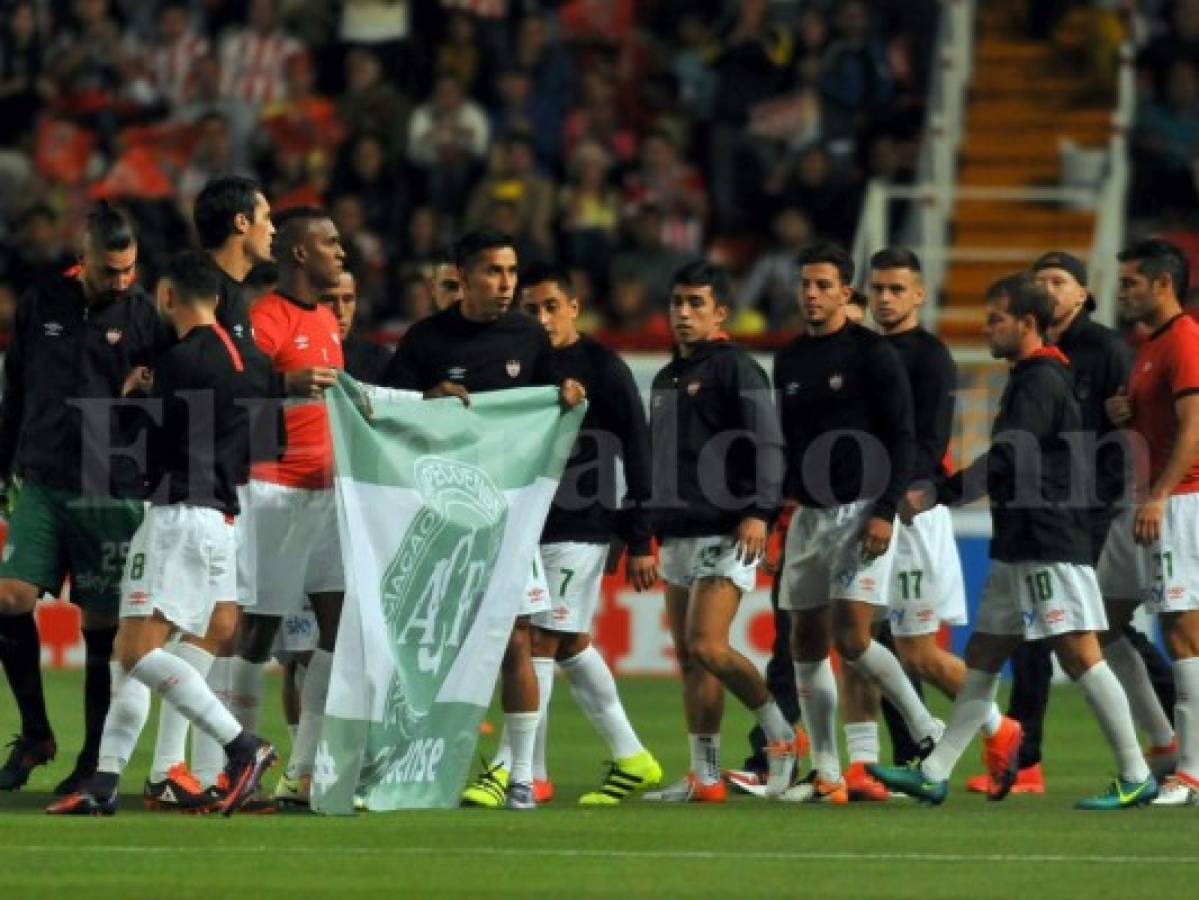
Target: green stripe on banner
point(440, 508)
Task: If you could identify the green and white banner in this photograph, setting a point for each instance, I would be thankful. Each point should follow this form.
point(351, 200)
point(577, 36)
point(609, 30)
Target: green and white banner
point(440, 507)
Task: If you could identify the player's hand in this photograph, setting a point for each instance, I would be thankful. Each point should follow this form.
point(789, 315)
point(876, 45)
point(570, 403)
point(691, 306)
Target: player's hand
point(914, 502)
point(448, 389)
point(139, 379)
point(642, 572)
point(1147, 526)
point(876, 537)
point(310, 383)
point(1119, 408)
point(750, 540)
point(572, 393)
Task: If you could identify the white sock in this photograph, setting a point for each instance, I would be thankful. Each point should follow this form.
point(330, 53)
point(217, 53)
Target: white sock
point(970, 710)
point(994, 720)
point(301, 674)
point(774, 724)
point(208, 757)
point(861, 739)
point(522, 732)
point(1126, 664)
point(884, 669)
point(1186, 714)
point(1110, 705)
point(127, 714)
point(543, 668)
point(705, 757)
point(818, 704)
point(245, 692)
point(178, 683)
point(312, 714)
point(594, 690)
point(170, 746)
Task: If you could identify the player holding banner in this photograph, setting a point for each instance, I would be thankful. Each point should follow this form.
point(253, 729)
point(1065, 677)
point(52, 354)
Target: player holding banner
point(1041, 584)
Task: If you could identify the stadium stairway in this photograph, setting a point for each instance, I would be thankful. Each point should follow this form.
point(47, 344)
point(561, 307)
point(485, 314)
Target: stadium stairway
point(1026, 98)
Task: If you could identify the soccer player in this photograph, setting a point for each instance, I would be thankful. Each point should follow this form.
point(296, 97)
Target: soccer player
point(183, 557)
point(445, 281)
point(1152, 550)
point(365, 360)
point(926, 587)
point(1041, 584)
point(80, 341)
point(578, 530)
point(297, 551)
point(717, 475)
point(233, 222)
point(1100, 362)
point(483, 344)
point(845, 404)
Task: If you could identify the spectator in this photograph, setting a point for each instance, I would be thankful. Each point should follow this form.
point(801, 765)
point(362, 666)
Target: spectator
point(1167, 145)
point(630, 310)
point(458, 54)
point(38, 249)
point(175, 54)
point(649, 258)
point(598, 119)
point(448, 138)
point(303, 122)
point(370, 103)
point(365, 255)
point(673, 187)
point(211, 157)
point(829, 201)
point(772, 284)
point(416, 301)
point(552, 76)
point(203, 97)
point(514, 178)
point(365, 173)
point(253, 57)
point(691, 65)
point(855, 80)
point(590, 206)
point(24, 87)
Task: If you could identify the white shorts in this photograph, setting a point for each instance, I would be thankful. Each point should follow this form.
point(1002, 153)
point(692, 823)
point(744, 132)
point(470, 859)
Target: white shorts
point(182, 561)
point(822, 559)
point(926, 576)
point(683, 560)
point(575, 573)
point(1040, 600)
point(1164, 575)
point(537, 592)
point(298, 633)
point(298, 552)
point(247, 549)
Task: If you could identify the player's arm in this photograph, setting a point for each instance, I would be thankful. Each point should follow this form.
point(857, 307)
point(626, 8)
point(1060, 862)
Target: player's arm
point(12, 405)
point(633, 523)
point(933, 405)
point(1147, 526)
point(755, 399)
point(890, 396)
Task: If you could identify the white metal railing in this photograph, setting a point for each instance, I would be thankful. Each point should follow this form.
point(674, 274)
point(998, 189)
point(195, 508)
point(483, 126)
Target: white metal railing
point(937, 167)
point(1111, 210)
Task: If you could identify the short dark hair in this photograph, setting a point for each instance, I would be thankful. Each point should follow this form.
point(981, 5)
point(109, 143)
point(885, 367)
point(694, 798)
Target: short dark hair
point(701, 273)
point(290, 227)
point(896, 258)
point(109, 229)
point(444, 257)
point(194, 276)
point(218, 203)
point(827, 252)
point(1025, 297)
point(474, 244)
point(541, 272)
point(1155, 258)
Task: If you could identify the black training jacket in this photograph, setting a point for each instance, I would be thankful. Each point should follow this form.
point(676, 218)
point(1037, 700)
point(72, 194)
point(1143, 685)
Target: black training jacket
point(717, 448)
point(1029, 471)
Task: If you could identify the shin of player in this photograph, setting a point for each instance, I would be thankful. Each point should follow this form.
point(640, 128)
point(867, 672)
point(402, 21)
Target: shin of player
point(182, 558)
point(1041, 584)
point(717, 473)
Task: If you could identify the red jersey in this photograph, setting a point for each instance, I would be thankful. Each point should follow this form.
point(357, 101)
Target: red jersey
point(1166, 368)
point(296, 337)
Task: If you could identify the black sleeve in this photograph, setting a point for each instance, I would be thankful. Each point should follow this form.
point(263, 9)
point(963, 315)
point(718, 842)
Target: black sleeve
point(619, 391)
point(933, 402)
point(405, 370)
point(779, 377)
point(1119, 368)
point(759, 416)
point(12, 405)
point(890, 398)
point(161, 418)
point(546, 370)
point(965, 485)
point(380, 359)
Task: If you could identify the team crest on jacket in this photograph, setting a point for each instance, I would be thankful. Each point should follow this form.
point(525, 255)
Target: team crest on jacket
point(113, 335)
point(301, 341)
point(693, 388)
point(512, 367)
point(835, 381)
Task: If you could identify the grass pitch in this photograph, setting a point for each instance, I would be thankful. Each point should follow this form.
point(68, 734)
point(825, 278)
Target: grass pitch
point(968, 848)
